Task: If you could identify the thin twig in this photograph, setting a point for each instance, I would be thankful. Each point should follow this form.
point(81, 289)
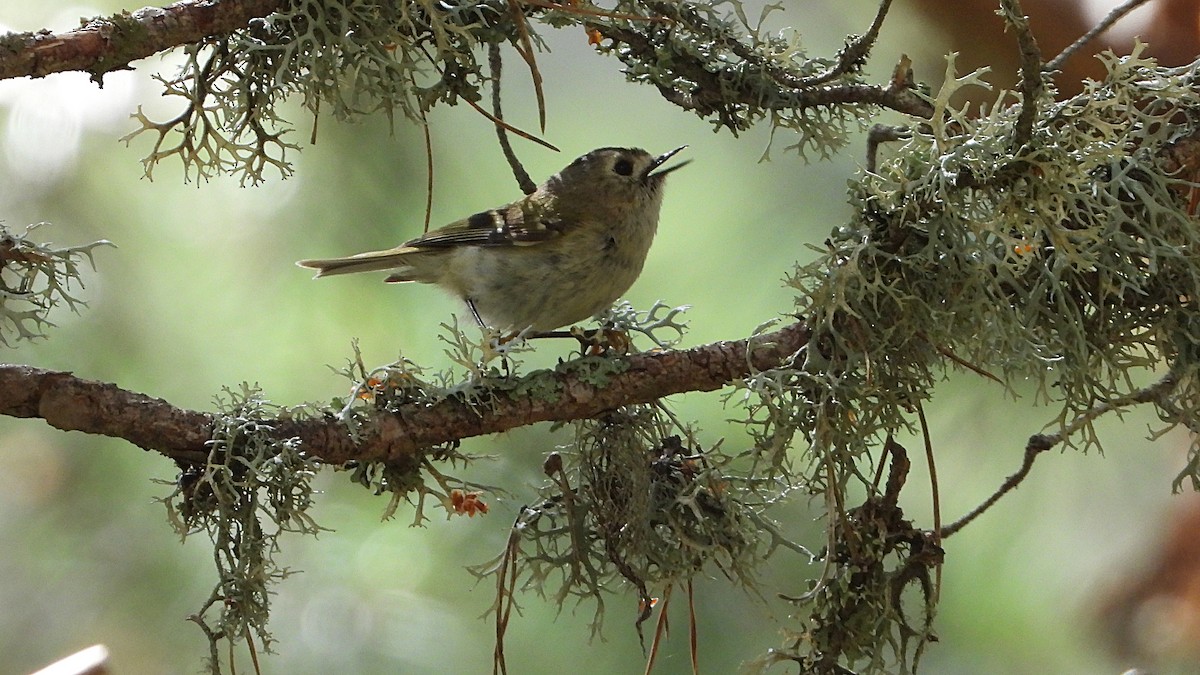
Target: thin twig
point(1036, 445)
point(854, 54)
point(1114, 16)
point(428, 162)
point(946, 352)
point(661, 628)
point(936, 493)
point(693, 642)
point(879, 134)
point(506, 587)
point(525, 49)
point(1041, 442)
point(508, 127)
point(519, 172)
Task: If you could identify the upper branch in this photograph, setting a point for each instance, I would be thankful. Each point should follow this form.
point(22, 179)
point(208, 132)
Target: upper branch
point(712, 94)
point(73, 404)
point(1032, 83)
point(105, 44)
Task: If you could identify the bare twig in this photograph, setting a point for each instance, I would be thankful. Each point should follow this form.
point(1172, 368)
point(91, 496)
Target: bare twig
point(854, 54)
point(506, 588)
point(948, 353)
point(1042, 442)
point(660, 629)
point(428, 166)
point(519, 172)
point(1036, 445)
point(693, 641)
point(934, 491)
point(879, 134)
point(508, 127)
point(1114, 16)
point(525, 50)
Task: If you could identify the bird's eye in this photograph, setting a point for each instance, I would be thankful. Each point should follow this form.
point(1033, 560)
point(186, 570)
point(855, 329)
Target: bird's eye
point(623, 167)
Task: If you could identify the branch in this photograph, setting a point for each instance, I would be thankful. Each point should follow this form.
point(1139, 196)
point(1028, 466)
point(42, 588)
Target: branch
point(1032, 83)
point(105, 44)
point(710, 95)
point(72, 404)
point(1039, 443)
point(1114, 16)
point(854, 55)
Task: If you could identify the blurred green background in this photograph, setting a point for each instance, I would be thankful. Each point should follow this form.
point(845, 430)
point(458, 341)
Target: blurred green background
point(202, 293)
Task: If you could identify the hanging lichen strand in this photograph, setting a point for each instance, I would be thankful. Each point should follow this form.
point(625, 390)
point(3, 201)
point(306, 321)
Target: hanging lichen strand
point(349, 58)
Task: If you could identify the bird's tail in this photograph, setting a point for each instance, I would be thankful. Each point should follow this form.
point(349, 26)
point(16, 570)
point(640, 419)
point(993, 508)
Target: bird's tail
point(372, 261)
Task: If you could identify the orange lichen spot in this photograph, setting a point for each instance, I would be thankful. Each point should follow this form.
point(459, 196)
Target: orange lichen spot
point(689, 467)
point(1023, 248)
point(373, 385)
point(594, 36)
point(642, 605)
point(467, 502)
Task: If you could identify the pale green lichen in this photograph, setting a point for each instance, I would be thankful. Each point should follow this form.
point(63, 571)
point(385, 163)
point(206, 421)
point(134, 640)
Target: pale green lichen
point(1069, 261)
point(34, 278)
point(633, 501)
point(402, 58)
point(251, 489)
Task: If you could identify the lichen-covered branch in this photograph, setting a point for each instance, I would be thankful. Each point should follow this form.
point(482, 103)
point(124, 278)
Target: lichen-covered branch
point(569, 392)
point(744, 75)
point(104, 44)
point(243, 57)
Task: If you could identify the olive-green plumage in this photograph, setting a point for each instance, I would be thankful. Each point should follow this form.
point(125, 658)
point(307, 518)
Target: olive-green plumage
point(559, 255)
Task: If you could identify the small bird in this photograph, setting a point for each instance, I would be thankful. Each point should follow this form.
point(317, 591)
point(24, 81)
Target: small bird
point(557, 256)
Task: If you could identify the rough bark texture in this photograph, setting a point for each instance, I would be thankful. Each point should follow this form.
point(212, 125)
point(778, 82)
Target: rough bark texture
point(73, 404)
point(103, 45)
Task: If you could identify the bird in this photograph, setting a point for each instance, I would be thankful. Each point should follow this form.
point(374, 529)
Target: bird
point(560, 255)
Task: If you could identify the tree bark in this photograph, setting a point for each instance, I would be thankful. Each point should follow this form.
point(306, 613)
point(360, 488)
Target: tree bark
point(571, 391)
point(106, 44)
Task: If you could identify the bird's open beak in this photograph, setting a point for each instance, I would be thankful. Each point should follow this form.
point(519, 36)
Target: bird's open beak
point(660, 160)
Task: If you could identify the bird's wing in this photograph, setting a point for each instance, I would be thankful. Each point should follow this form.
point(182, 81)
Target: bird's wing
point(514, 225)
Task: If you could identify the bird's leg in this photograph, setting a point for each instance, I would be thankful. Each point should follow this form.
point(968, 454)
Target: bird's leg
point(500, 338)
point(592, 342)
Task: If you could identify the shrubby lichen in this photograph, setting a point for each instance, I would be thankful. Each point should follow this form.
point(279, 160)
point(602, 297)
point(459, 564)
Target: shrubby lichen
point(356, 57)
point(634, 502)
point(34, 278)
point(249, 477)
point(1065, 256)
point(1069, 261)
